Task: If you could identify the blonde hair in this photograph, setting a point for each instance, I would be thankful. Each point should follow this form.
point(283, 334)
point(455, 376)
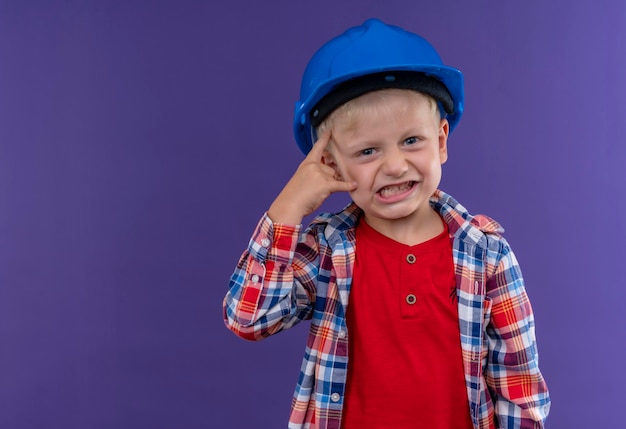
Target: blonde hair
point(348, 113)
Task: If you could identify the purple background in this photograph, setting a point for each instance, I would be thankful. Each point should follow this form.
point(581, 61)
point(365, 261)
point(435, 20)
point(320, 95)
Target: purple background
point(141, 140)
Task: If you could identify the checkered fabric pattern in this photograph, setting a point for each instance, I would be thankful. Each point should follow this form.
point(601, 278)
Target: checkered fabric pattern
point(286, 276)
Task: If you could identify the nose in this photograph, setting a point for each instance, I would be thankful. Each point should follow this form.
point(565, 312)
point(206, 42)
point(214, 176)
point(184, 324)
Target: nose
point(394, 163)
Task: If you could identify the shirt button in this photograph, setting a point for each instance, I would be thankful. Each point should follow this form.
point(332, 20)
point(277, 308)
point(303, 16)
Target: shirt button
point(255, 278)
point(411, 299)
point(335, 397)
point(342, 334)
point(265, 242)
point(410, 258)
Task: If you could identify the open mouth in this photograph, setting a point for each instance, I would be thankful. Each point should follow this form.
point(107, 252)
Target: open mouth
point(395, 190)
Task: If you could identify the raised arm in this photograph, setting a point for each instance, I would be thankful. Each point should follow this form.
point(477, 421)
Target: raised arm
point(274, 284)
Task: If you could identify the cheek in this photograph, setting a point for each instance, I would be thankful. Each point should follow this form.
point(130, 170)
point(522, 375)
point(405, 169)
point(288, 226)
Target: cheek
point(359, 175)
point(344, 171)
point(431, 161)
point(364, 174)
point(349, 175)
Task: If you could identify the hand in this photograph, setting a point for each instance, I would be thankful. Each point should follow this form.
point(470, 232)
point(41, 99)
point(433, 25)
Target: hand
point(308, 188)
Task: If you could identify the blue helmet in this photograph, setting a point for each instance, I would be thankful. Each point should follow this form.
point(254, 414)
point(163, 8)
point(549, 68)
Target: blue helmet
point(369, 57)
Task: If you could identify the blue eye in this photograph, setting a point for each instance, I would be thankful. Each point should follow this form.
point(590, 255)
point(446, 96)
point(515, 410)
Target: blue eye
point(367, 152)
point(410, 141)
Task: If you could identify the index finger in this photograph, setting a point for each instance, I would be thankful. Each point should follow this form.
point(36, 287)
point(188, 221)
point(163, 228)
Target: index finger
point(319, 146)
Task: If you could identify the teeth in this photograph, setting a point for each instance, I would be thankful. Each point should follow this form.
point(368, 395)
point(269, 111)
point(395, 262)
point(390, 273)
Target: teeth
point(388, 191)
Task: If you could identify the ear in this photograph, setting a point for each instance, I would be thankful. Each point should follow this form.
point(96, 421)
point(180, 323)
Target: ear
point(444, 130)
point(329, 160)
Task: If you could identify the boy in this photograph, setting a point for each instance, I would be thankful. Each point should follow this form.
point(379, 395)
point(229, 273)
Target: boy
point(419, 316)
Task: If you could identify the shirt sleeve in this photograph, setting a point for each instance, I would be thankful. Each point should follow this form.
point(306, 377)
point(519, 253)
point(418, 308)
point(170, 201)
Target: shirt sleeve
point(267, 291)
point(521, 395)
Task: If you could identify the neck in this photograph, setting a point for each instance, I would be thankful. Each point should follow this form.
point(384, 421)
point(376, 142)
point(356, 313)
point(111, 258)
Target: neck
point(411, 230)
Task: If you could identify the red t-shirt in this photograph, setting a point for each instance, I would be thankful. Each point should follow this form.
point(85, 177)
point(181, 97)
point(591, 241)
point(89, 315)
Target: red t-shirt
point(405, 367)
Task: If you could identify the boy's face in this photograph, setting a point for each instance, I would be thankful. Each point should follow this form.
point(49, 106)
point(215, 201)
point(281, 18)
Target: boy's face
point(392, 145)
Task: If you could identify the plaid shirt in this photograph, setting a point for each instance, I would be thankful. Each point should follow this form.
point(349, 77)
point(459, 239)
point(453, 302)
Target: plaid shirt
point(286, 276)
